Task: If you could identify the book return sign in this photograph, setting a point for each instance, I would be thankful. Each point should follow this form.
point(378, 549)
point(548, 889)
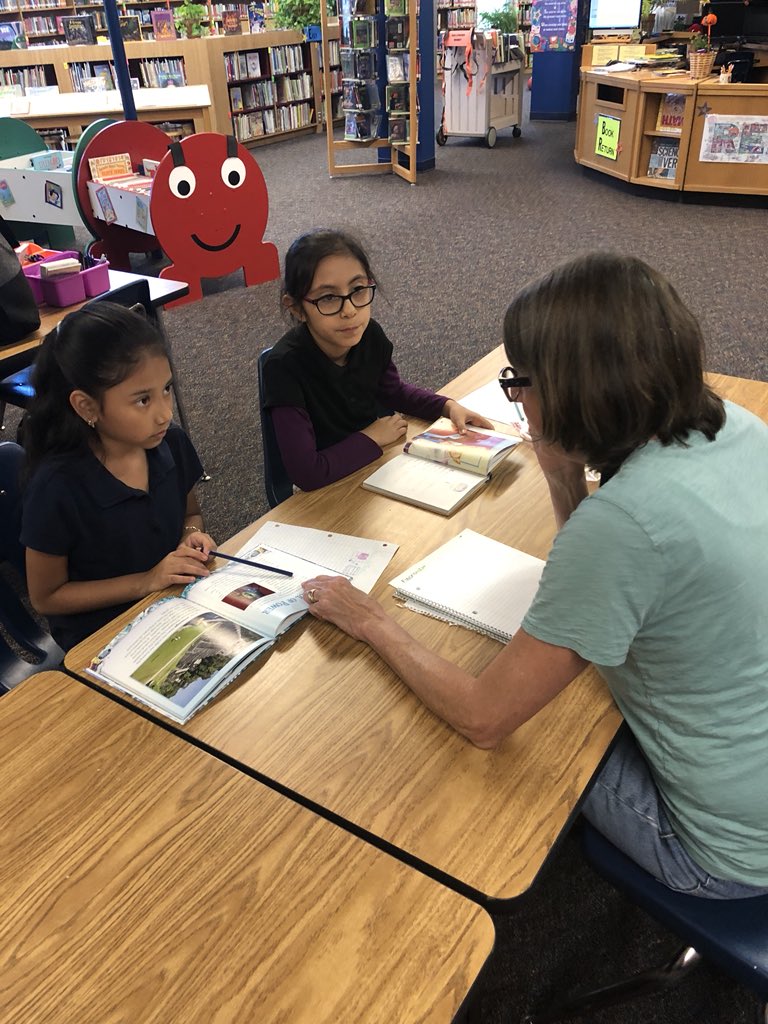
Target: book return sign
point(607, 138)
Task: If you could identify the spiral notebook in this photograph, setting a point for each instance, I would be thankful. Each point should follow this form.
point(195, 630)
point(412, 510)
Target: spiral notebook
point(473, 581)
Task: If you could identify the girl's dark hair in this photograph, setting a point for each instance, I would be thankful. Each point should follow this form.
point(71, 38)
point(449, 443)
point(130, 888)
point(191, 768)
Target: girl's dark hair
point(304, 255)
point(91, 350)
point(615, 357)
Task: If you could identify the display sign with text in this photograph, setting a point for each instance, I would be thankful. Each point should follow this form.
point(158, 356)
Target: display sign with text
point(607, 137)
point(553, 25)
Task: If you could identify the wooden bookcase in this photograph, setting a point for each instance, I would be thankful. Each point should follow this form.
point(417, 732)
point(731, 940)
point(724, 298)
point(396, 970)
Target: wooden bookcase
point(652, 97)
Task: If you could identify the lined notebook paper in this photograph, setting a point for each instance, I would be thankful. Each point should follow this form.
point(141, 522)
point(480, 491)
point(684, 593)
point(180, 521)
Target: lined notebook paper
point(473, 581)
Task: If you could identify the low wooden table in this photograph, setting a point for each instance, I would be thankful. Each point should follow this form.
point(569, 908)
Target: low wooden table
point(143, 880)
point(323, 716)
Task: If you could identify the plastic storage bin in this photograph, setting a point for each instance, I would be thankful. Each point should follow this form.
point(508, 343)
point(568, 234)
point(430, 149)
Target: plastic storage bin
point(32, 272)
point(65, 290)
point(96, 279)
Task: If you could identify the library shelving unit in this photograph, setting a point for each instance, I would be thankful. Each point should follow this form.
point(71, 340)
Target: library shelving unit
point(270, 90)
point(379, 58)
point(42, 18)
point(335, 76)
point(287, 64)
point(656, 128)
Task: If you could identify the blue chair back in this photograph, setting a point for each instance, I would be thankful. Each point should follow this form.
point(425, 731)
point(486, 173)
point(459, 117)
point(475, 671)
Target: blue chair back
point(35, 648)
point(276, 483)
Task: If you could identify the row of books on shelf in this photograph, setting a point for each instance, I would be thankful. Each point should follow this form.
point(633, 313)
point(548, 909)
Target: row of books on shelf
point(256, 94)
point(460, 17)
point(365, 126)
point(24, 77)
point(287, 58)
point(247, 126)
point(365, 96)
point(294, 88)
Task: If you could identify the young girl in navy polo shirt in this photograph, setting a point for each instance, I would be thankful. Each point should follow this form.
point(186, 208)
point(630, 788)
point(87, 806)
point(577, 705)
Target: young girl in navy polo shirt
point(110, 512)
point(330, 382)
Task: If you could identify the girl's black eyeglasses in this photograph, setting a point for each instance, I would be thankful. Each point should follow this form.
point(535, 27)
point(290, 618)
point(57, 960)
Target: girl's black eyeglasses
point(511, 383)
point(330, 305)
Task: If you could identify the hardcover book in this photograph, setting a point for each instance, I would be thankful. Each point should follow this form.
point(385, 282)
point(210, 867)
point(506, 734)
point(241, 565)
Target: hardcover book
point(662, 162)
point(79, 30)
point(440, 469)
point(399, 129)
point(180, 651)
point(397, 98)
point(130, 29)
point(671, 113)
point(362, 34)
point(397, 33)
point(230, 22)
point(163, 25)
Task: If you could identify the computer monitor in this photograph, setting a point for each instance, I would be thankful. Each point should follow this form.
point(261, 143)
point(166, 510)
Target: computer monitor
point(756, 22)
point(730, 19)
point(614, 15)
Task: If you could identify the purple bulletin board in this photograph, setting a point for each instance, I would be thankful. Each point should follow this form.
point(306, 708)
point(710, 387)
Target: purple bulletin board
point(553, 25)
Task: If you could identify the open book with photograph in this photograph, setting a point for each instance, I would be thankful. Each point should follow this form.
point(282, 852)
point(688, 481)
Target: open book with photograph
point(180, 651)
point(440, 468)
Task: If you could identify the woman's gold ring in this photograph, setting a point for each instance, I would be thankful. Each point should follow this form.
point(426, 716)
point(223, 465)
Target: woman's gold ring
point(312, 596)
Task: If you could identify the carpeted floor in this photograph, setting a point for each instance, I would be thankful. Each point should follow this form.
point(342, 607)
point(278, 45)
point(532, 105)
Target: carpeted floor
point(450, 253)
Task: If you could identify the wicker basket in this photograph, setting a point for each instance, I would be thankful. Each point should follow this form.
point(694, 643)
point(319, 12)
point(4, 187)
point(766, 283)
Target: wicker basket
point(701, 63)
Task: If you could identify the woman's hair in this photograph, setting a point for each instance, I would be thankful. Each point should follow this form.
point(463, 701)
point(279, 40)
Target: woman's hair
point(615, 357)
point(306, 252)
point(91, 350)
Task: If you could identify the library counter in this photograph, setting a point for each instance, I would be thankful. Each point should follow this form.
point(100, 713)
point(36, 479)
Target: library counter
point(674, 132)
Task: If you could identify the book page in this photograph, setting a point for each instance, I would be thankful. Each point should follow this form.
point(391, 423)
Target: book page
point(473, 581)
point(175, 655)
point(256, 598)
point(361, 560)
point(490, 401)
point(431, 485)
point(475, 451)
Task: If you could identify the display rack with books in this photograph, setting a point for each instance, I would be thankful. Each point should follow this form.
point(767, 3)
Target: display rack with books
point(335, 77)
point(270, 90)
point(666, 112)
point(378, 51)
point(35, 75)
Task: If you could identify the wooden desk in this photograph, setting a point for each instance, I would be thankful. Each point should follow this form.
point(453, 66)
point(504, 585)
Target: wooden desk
point(325, 717)
point(160, 292)
point(143, 880)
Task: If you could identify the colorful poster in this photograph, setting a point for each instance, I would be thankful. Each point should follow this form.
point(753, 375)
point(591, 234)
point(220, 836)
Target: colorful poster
point(553, 25)
point(142, 213)
point(734, 139)
point(6, 196)
point(105, 203)
point(607, 137)
point(54, 194)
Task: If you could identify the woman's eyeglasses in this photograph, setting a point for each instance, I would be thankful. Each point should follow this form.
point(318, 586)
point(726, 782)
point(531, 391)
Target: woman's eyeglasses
point(330, 305)
point(511, 383)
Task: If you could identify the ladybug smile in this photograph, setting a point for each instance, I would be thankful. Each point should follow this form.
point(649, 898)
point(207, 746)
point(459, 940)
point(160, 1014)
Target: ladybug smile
point(217, 248)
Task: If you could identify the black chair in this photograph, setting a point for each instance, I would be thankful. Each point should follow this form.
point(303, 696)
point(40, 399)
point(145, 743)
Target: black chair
point(17, 388)
point(732, 934)
point(276, 483)
point(36, 649)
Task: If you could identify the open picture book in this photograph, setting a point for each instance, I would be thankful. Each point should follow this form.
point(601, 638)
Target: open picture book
point(473, 581)
point(180, 651)
point(440, 469)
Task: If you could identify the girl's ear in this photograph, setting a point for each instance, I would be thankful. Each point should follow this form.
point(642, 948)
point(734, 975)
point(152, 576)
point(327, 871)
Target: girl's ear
point(86, 407)
point(293, 307)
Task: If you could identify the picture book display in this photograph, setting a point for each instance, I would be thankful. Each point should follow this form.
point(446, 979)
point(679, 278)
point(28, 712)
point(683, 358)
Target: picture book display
point(130, 29)
point(473, 581)
point(179, 652)
point(440, 469)
point(79, 30)
point(671, 113)
point(662, 162)
point(163, 26)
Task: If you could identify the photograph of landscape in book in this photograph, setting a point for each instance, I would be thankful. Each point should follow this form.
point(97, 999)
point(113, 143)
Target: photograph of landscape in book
point(180, 667)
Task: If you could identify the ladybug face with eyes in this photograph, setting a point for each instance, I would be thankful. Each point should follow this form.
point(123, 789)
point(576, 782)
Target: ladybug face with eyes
point(209, 204)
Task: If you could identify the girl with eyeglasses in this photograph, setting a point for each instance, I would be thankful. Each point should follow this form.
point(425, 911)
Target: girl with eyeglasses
point(333, 391)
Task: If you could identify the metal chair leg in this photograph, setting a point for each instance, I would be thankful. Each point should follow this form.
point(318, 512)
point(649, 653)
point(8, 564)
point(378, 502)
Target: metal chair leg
point(645, 982)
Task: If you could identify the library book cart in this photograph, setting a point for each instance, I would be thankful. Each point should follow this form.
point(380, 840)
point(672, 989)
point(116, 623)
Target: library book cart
point(674, 132)
point(482, 95)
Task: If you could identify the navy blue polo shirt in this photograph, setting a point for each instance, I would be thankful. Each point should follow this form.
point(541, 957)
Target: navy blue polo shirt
point(75, 507)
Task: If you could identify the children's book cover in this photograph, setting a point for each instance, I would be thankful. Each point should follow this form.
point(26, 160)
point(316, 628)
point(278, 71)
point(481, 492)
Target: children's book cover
point(395, 68)
point(395, 8)
point(163, 26)
point(662, 162)
point(105, 203)
point(236, 99)
point(230, 22)
point(671, 113)
point(397, 33)
point(399, 129)
point(130, 29)
point(362, 34)
point(79, 30)
point(397, 98)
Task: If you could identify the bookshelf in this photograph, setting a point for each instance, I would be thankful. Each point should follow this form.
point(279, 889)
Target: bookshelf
point(270, 90)
point(666, 111)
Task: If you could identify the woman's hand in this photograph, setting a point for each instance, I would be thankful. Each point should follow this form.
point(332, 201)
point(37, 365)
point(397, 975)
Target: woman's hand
point(198, 540)
point(461, 417)
point(183, 565)
point(334, 599)
point(386, 430)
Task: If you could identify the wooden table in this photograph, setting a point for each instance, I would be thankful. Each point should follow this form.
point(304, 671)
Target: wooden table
point(160, 292)
point(143, 880)
point(323, 716)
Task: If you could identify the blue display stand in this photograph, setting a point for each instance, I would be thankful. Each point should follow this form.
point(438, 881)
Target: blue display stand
point(555, 85)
